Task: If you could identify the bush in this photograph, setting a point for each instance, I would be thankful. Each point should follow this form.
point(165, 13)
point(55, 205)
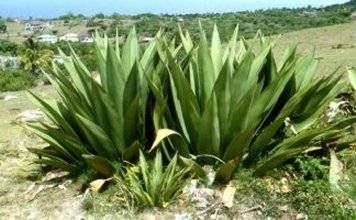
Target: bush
point(225, 106)
point(3, 26)
point(153, 185)
point(8, 47)
point(13, 80)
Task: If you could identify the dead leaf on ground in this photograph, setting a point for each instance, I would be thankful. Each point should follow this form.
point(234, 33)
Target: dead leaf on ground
point(54, 175)
point(32, 193)
point(96, 185)
point(228, 196)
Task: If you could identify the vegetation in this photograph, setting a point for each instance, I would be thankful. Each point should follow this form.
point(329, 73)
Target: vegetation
point(3, 26)
point(86, 52)
point(33, 58)
point(273, 21)
point(154, 185)
point(8, 47)
point(302, 195)
point(13, 80)
point(196, 90)
point(228, 102)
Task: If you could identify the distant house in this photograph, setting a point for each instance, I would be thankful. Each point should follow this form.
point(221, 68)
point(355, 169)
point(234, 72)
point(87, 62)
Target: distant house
point(353, 15)
point(146, 39)
point(70, 37)
point(48, 38)
point(9, 62)
point(180, 19)
point(37, 25)
point(86, 39)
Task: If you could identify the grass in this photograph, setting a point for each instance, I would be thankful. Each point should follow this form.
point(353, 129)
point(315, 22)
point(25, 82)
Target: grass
point(303, 195)
point(14, 80)
point(285, 195)
point(324, 40)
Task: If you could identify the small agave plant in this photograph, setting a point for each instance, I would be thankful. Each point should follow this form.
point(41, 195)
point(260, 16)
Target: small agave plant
point(229, 106)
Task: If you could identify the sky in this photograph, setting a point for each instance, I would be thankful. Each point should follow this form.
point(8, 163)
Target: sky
point(55, 8)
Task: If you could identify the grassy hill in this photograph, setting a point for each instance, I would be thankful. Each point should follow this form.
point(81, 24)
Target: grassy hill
point(271, 21)
point(335, 45)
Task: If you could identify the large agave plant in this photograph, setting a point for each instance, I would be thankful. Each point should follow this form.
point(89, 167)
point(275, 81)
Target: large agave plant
point(232, 103)
point(228, 103)
point(100, 123)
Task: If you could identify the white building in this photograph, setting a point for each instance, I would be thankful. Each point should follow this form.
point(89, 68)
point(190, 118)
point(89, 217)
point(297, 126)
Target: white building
point(146, 39)
point(180, 19)
point(70, 37)
point(86, 39)
point(48, 38)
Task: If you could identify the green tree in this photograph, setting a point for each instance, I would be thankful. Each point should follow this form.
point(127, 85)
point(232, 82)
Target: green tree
point(8, 47)
point(3, 26)
point(33, 57)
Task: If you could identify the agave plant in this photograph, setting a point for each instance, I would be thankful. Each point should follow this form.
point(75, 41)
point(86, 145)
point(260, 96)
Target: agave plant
point(99, 124)
point(241, 106)
point(232, 103)
point(352, 77)
point(153, 184)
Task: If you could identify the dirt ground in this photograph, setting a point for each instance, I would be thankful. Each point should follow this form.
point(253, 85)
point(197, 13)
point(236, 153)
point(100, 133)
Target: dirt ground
point(23, 194)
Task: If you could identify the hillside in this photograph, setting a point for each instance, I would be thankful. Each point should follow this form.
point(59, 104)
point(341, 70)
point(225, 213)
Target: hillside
point(335, 45)
point(271, 21)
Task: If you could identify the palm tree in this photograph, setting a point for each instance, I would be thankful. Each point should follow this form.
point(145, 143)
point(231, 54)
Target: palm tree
point(33, 57)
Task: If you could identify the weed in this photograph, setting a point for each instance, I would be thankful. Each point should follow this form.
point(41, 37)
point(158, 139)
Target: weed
point(13, 80)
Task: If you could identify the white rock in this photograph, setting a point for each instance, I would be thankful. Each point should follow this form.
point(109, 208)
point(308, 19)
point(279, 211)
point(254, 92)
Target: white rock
point(182, 216)
point(30, 116)
point(301, 216)
point(10, 97)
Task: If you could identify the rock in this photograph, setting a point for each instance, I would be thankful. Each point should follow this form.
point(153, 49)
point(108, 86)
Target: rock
point(199, 195)
point(285, 186)
point(30, 116)
point(283, 208)
point(183, 216)
point(10, 97)
point(301, 216)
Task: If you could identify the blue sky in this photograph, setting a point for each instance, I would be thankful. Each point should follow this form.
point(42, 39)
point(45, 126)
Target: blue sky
point(54, 8)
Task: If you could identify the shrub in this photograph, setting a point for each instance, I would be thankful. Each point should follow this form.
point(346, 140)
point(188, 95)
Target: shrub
point(234, 104)
point(227, 103)
point(154, 185)
point(107, 122)
point(3, 26)
point(13, 80)
point(8, 47)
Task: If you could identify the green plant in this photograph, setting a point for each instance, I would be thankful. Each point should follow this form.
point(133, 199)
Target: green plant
point(306, 196)
point(3, 26)
point(352, 77)
point(13, 80)
point(33, 58)
point(153, 184)
point(312, 168)
point(99, 124)
point(232, 103)
point(8, 47)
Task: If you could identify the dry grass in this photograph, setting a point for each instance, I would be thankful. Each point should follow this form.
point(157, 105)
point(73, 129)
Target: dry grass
point(335, 45)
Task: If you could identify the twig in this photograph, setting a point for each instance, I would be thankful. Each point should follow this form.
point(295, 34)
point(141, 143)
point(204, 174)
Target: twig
point(251, 209)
